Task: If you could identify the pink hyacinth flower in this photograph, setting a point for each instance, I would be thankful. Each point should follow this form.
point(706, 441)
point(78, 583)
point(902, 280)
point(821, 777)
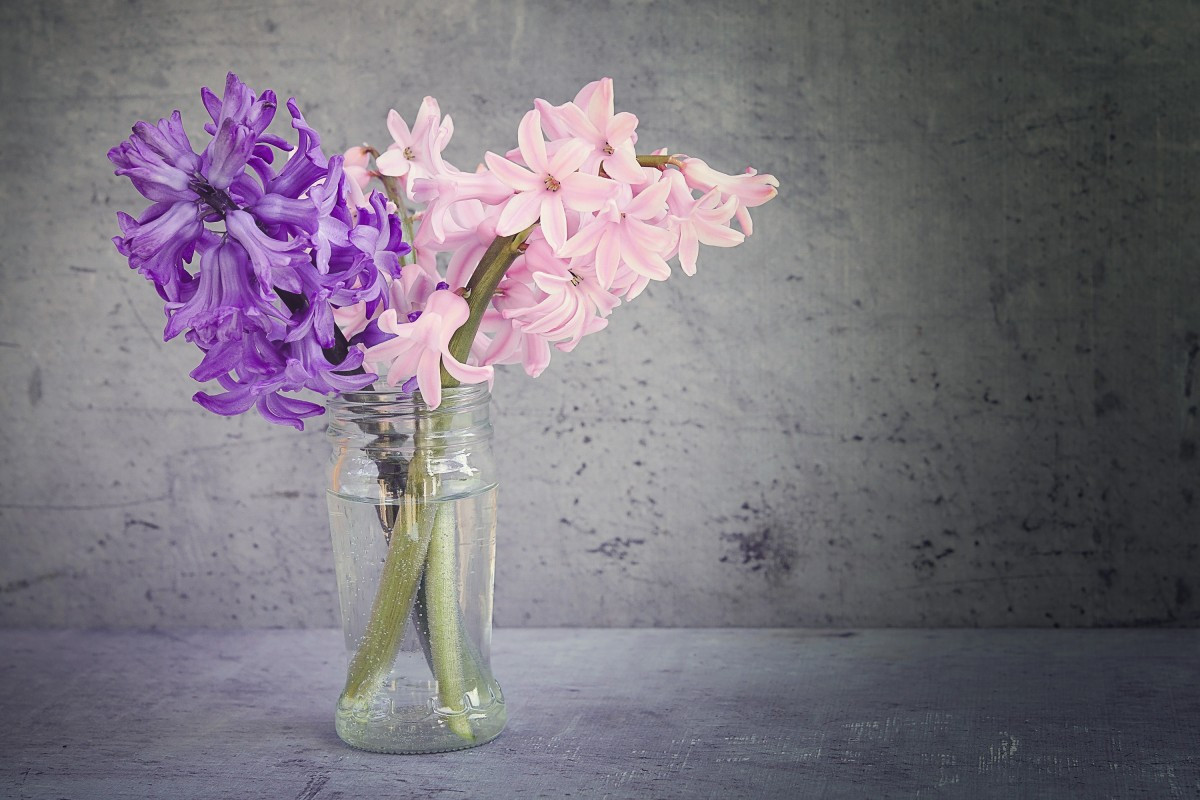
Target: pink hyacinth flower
point(623, 233)
point(351, 319)
point(440, 193)
point(422, 347)
point(572, 305)
point(355, 163)
point(509, 344)
point(610, 134)
point(548, 186)
point(694, 221)
point(416, 153)
point(749, 189)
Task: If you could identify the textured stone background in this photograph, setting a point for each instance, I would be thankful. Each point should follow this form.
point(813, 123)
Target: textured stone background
point(951, 379)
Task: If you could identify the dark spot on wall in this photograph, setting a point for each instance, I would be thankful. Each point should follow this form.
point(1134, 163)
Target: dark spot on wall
point(35, 386)
point(1109, 401)
point(617, 548)
point(765, 550)
point(24, 583)
point(1187, 450)
point(1183, 592)
point(1107, 576)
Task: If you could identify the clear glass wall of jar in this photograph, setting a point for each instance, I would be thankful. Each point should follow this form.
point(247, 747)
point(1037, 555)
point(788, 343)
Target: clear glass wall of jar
point(412, 514)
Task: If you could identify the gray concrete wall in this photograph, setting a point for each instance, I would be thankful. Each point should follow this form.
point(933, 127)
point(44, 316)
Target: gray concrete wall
point(950, 380)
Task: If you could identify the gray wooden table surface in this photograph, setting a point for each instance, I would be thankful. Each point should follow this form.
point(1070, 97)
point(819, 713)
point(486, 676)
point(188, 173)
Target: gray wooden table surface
point(620, 714)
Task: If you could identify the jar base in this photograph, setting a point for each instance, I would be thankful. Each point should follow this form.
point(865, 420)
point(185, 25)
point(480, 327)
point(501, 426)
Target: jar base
point(414, 729)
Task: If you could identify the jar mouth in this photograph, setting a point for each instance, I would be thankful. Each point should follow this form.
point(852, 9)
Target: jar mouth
point(383, 410)
point(457, 398)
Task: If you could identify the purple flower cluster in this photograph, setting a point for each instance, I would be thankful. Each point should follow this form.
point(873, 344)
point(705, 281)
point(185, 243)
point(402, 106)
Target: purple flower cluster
point(275, 251)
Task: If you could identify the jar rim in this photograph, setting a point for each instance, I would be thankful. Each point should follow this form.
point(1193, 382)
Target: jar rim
point(457, 398)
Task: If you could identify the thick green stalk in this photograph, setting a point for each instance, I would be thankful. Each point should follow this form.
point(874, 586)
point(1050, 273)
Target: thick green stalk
point(398, 583)
point(445, 621)
point(500, 255)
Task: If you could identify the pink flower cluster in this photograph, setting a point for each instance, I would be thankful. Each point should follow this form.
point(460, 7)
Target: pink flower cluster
point(605, 228)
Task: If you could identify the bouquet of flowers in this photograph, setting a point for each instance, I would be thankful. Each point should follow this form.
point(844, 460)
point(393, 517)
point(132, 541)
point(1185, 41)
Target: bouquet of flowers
point(290, 272)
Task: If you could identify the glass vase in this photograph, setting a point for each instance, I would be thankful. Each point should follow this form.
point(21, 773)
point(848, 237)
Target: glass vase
point(412, 514)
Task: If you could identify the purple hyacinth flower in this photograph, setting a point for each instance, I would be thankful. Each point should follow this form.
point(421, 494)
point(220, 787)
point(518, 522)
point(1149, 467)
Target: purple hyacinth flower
point(263, 236)
point(227, 301)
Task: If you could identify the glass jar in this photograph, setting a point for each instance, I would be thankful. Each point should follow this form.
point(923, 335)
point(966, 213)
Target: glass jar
point(412, 514)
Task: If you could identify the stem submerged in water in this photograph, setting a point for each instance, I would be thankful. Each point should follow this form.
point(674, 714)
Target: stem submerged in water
point(407, 550)
point(445, 620)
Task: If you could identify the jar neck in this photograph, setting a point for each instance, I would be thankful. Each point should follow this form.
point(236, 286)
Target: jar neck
point(383, 410)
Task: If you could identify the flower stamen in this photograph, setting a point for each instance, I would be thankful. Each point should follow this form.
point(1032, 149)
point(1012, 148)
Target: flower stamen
point(552, 184)
point(213, 197)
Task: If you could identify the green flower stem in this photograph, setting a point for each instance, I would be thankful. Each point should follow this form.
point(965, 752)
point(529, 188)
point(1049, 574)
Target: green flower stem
point(445, 622)
point(500, 255)
point(658, 161)
point(392, 187)
point(397, 588)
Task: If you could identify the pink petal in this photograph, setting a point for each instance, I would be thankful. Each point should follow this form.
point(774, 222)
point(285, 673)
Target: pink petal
point(467, 373)
point(552, 122)
point(462, 265)
point(622, 166)
point(531, 142)
point(584, 241)
point(519, 213)
point(398, 128)
point(643, 261)
point(585, 94)
point(393, 163)
point(551, 284)
point(586, 192)
point(640, 282)
point(444, 134)
point(592, 325)
point(536, 357)
point(620, 128)
point(600, 104)
point(427, 115)
point(651, 202)
point(568, 158)
point(580, 125)
point(743, 217)
point(505, 344)
point(689, 248)
point(404, 362)
point(608, 258)
point(554, 220)
point(519, 178)
point(429, 378)
point(451, 312)
point(716, 234)
point(649, 238)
